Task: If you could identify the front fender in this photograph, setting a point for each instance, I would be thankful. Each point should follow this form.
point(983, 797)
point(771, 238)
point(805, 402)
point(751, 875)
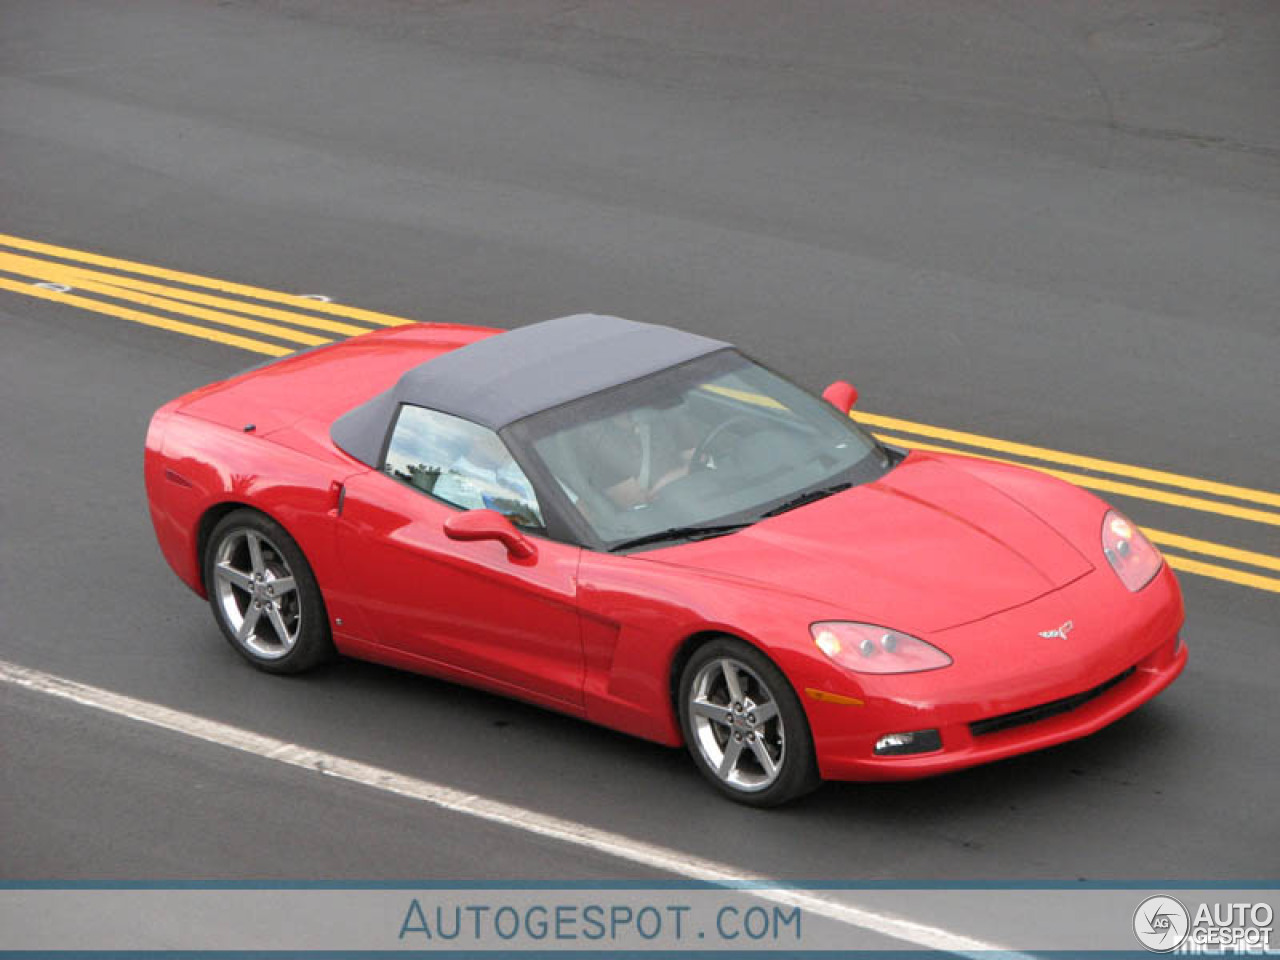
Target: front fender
point(637, 615)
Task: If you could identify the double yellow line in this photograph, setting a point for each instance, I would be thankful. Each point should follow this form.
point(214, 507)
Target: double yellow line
point(274, 323)
point(1157, 486)
point(234, 314)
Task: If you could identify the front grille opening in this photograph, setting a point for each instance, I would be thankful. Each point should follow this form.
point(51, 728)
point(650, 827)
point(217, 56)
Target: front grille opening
point(1044, 711)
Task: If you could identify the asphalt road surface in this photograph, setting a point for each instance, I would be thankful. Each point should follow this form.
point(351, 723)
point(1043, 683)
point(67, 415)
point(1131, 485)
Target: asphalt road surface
point(1053, 224)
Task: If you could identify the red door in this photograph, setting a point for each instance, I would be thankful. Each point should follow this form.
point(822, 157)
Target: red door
point(465, 606)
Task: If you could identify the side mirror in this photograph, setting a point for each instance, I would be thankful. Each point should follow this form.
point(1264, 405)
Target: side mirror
point(842, 395)
point(491, 525)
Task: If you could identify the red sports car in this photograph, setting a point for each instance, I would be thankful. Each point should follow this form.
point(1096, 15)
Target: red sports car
point(644, 528)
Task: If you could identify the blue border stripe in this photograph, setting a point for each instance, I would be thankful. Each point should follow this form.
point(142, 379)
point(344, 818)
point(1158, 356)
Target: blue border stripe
point(557, 955)
point(623, 885)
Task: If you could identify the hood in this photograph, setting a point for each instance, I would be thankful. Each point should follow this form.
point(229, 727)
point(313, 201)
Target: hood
point(926, 547)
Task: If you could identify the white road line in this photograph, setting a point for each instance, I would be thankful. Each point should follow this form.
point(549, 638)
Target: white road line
point(518, 818)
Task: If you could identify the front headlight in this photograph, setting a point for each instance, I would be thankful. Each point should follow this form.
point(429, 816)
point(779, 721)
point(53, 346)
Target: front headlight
point(1130, 554)
point(866, 648)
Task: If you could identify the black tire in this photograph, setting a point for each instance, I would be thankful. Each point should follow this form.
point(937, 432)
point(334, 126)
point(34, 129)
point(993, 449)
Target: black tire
point(252, 601)
point(735, 732)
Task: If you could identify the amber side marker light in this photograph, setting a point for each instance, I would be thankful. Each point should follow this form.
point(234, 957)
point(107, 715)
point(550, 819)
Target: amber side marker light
point(826, 696)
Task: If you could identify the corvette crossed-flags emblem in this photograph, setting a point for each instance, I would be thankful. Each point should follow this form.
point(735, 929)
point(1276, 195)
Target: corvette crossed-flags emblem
point(1060, 632)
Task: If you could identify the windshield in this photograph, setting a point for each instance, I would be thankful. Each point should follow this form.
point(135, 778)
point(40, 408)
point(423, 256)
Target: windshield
point(715, 442)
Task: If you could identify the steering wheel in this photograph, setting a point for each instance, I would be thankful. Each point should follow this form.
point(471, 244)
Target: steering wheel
point(702, 452)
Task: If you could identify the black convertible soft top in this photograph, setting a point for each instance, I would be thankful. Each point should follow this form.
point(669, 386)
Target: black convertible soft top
point(499, 380)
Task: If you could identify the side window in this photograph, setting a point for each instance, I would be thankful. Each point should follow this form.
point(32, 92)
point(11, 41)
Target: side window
point(460, 462)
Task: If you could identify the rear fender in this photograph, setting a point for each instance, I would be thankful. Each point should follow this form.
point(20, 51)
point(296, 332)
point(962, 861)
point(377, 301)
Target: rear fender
point(185, 482)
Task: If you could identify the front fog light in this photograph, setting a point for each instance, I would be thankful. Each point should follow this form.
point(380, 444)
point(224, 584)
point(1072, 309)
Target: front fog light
point(917, 741)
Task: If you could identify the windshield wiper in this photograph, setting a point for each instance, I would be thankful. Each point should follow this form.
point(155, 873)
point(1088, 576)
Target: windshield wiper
point(807, 497)
point(695, 532)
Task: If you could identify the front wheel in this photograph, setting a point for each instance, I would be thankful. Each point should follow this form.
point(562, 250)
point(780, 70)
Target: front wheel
point(264, 596)
point(744, 726)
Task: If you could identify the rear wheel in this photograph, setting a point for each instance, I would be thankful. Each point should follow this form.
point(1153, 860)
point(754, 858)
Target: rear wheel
point(744, 726)
point(264, 596)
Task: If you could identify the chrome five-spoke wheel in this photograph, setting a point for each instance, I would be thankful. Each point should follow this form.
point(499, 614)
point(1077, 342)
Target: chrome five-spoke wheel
point(264, 595)
point(736, 724)
point(744, 726)
point(257, 594)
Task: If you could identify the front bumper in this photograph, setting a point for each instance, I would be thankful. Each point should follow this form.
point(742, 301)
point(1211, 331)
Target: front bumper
point(986, 708)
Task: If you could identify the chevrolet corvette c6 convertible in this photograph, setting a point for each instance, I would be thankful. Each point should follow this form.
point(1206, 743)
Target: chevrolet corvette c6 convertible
point(644, 528)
